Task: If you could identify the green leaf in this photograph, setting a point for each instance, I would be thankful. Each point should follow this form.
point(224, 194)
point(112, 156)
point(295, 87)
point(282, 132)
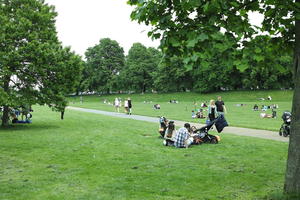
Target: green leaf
point(192, 43)
point(258, 58)
point(206, 7)
point(174, 41)
point(157, 35)
point(186, 60)
point(280, 68)
point(202, 37)
point(195, 3)
point(242, 67)
point(237, 63)
point(257, 50)
point(188, 67)
point(194, 58)
point(205, 65)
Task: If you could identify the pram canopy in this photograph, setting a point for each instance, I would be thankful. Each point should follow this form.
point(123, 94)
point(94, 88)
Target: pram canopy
point(286, 116)
point(220, 123)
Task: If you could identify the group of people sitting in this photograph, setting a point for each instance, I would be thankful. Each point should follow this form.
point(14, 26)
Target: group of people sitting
point(156, 106)
point(181, 139)
point(24, 112)
point(185, 136)
point(268, 98)
point(264, 108)
point(199, 114)
point(173, 101)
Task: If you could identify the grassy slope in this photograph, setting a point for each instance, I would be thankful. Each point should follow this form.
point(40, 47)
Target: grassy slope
point(88, 156)
point(237, 116)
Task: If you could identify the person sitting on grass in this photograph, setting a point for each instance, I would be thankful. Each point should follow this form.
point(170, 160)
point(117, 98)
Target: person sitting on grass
point(265, 115)
point(163, 124)
point(156, 106)
point(269, 98)
point(203, 104)
point(255, 107)
point(274, 113)
point(193, 114)
point(200, 114)
point(170, 134)
point(183, 138)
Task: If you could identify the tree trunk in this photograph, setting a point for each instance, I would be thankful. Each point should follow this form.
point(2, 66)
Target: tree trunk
point(292, 177)
point(144, 88)
point(5, 117)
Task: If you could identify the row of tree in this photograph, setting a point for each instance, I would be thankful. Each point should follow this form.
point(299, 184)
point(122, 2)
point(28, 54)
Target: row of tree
point(254, 66)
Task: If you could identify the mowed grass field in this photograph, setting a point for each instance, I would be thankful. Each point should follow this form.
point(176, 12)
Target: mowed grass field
point(90, 156)
point(240, 116)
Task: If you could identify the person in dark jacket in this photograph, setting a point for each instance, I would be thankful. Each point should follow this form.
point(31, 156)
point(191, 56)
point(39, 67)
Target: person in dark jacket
point(221, 109)
point(129, 106)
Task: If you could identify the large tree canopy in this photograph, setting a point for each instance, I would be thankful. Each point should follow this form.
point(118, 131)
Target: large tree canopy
point(141, 62)
point(34, 67)
point(104, 62)
point(188, 28)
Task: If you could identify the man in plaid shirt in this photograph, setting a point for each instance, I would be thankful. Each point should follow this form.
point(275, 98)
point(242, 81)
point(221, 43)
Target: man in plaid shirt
point(182, 138)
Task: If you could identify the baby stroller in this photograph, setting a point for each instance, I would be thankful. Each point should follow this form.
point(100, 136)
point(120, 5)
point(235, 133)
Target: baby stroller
point(204, 136)
point(285, 127)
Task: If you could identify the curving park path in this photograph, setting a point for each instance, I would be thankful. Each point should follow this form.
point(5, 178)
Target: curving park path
point(264, 134)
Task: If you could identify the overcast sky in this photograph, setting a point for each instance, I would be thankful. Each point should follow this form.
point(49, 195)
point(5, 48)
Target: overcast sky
point(82, 23)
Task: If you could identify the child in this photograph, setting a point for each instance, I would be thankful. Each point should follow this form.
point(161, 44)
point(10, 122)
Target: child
point(193, 114)
point(170, 134)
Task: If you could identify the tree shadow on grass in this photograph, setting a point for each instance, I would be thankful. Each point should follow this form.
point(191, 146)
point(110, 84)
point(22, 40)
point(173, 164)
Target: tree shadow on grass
point(28, 127)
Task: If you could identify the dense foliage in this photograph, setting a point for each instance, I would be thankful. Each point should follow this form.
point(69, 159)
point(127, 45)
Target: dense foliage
point(34, 67)
point(255, 66)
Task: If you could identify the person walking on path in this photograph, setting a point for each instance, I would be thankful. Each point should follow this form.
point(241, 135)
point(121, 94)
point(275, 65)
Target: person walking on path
point(126, 106)
point(212, 110)
point(221, 109)
point(117, 104)
point(129, 105)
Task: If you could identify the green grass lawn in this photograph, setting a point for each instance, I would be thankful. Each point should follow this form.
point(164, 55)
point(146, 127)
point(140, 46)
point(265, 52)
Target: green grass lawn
point(89, 156)
point(237, 116)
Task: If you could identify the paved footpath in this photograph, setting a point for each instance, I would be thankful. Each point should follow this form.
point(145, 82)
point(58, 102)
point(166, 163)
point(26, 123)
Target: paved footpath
point(270, 135)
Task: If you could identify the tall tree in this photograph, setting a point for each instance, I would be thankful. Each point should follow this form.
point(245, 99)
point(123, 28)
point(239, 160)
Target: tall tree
point(141, 62)
point(170, 76)
point(34, 68)
point(182, 25)
point(104, 62)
